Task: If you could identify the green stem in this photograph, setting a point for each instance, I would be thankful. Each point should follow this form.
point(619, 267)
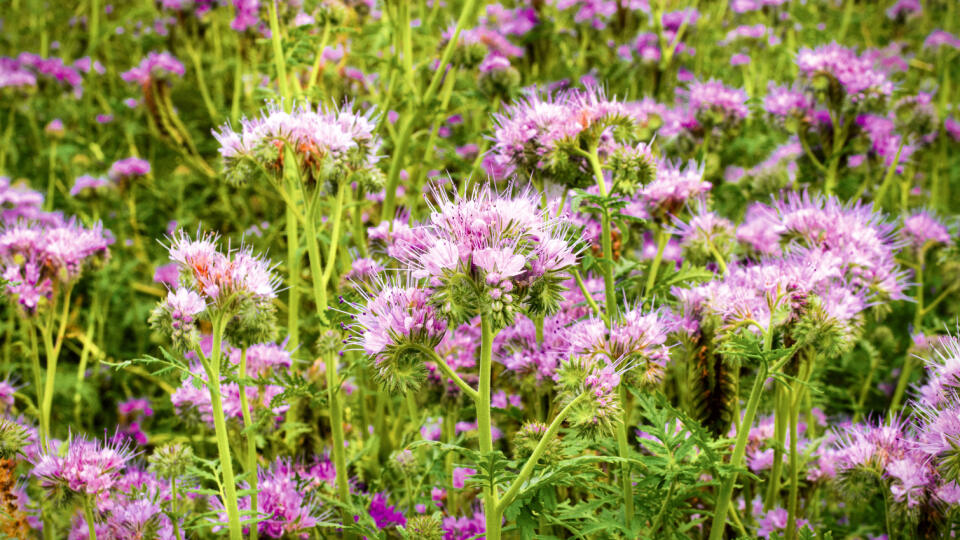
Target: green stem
point(448, 371)
point(333, 381)
point(332, 253)
point(212, 367)
point(740, 447)
point(84, 357)
point(586, 293)
point(251, 437)
point(94, 24)
point(662, 238)
point(605, 241)
point(52, 352)
point(175, 513)
point(51, 177)
point(623, 451)
point(796, 390)
point(279, 61)
point(779, 437)
point(38, 383)
point(531, 462)
point(88, 514)
point(663, 509)
point(293, 278)
point(490, 503)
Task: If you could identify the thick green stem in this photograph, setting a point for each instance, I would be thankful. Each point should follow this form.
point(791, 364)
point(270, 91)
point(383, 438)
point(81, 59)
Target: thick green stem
point(94, 25)
point(334, 244)
point(212, 366)
point(88, 514)
point(740, 447)
point(251, 436)
point(483, 424)
point(779, 437)
point(175, 519)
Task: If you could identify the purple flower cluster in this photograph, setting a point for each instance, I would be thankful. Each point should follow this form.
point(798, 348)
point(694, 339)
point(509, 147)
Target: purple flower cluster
point(325, 142)
point(39, 260)
point(128, 168)
point(533, 135)
point(854, 73)
point(87, 467)
point(397, 315)
point(161, 66)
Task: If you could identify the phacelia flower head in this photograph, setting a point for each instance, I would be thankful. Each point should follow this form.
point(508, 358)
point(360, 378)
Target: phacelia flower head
point(39, 260)
point(840, 73)
point(669, 191)
point(716, 105)
point(237, 284)
point(637, 339)
point(129, 168)
point(922, 229)
point(493, 253)
point(862, 240)
point(787, 104)
point(88, 467)
point(329, 145)
point(395, 326)
point(155, 67)
point(539, 134)
point(88, 187)
point(705, 235)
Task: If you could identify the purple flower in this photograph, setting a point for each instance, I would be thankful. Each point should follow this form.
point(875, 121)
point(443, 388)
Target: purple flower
point(939, 38)
point(782, 102)
point(128, 168)
point(383, 515)
point(220, 278)
point(460, 475)
point(87, 467)
point(37, 257)
point(716, 102)
point(340, 138)
point(854, 73)
point(156, 66)
point(637, 338)
point(397, 315)
point(670, 190)
point(167, 274)
point(530, 134)
point(87, 185)
point(922, 228)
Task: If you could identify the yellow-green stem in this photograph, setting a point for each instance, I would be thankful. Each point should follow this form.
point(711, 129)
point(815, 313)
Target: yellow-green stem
point(251, 436)
point(490, 501)
point(212, 367)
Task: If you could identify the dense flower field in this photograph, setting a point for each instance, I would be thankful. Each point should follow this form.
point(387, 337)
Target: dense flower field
point(424, 269)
